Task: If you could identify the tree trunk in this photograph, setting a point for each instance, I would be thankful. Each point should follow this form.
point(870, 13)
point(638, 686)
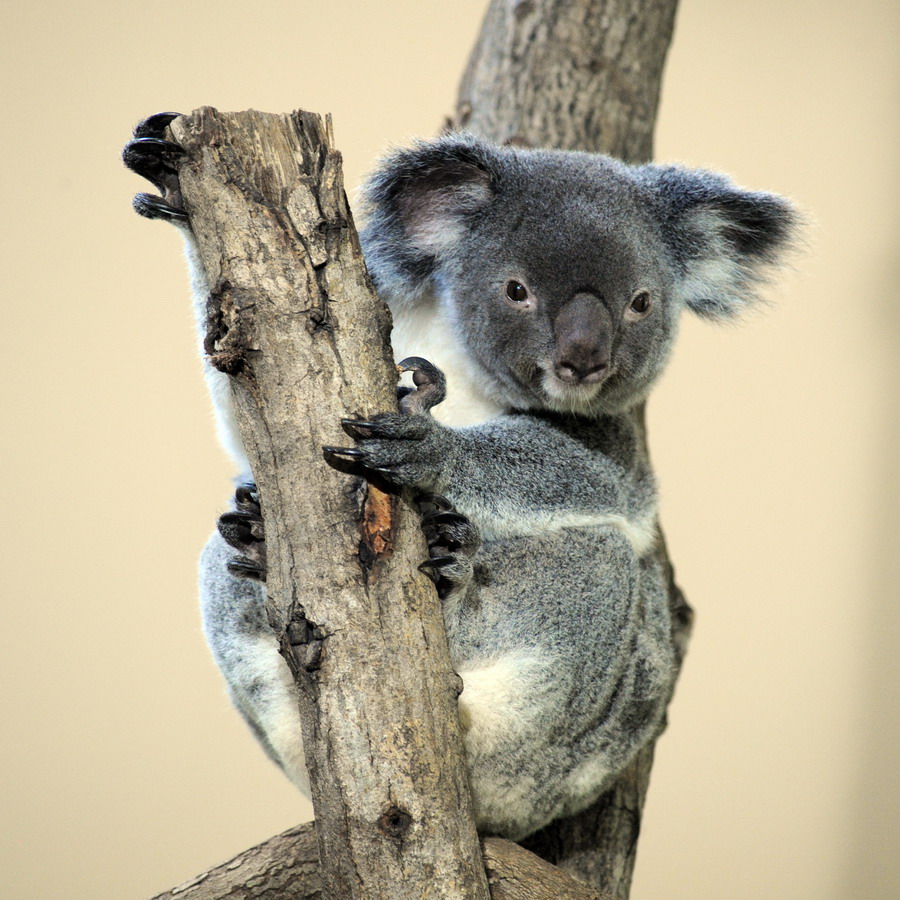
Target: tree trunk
point(576, 74)
point(570, 74)
point(295, 321)
point(579, 75)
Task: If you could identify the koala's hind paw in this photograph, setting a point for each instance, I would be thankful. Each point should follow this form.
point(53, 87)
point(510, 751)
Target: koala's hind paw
point(243, 530)
point(453, 542)
point(153, 157)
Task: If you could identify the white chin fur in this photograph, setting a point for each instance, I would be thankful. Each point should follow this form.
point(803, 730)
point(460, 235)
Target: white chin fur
point(570, 398)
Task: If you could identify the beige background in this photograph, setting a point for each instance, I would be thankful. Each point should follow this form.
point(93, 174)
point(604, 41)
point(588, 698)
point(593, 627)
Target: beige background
point(124, 771)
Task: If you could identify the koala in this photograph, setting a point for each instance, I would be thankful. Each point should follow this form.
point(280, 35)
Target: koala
point(536, 296)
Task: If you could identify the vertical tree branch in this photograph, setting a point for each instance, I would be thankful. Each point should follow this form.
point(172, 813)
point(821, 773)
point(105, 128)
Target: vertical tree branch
point(295, 321)
point(579, 75)
point(576, 74)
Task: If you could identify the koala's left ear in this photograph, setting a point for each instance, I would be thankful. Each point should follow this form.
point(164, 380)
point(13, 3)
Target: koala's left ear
point(420, 203)
point(724, 240)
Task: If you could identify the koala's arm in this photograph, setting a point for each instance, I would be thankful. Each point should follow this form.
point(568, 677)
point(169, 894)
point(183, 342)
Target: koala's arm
point(518, 474)
point(154, 157)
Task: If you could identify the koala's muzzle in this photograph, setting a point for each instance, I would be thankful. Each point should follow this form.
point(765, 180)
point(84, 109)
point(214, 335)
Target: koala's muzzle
point(583, 329)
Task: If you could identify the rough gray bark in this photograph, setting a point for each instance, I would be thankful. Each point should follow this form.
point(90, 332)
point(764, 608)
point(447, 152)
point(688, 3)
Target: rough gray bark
point(295, 321)
point(286, 867)
point(579, 75)
point(572, 74)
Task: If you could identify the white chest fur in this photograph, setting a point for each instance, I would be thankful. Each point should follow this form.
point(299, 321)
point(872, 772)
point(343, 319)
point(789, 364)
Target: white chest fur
point(425, 331)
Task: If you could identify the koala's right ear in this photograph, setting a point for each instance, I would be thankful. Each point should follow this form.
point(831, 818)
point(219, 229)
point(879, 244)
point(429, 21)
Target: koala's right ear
point(419, 202)
point(724, 239)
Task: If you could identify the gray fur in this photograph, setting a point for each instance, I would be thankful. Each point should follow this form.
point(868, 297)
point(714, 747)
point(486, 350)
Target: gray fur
point(559, 624)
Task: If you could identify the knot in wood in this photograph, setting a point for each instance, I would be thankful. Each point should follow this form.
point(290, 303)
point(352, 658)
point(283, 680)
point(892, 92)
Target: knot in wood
point(307, 642)
point(226, 342)
point(395, 822)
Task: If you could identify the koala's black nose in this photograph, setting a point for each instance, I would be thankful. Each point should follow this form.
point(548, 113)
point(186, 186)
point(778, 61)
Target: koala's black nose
point(582, 370)
point(583, 348)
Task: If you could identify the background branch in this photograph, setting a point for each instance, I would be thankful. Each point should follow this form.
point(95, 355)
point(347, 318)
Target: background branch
point(582, 75)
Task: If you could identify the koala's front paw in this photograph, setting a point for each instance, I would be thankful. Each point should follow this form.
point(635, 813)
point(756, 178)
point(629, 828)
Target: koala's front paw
point(453, 540)
point(153, 157)
point(405, 449)
point(243, 530)
point(430, 386)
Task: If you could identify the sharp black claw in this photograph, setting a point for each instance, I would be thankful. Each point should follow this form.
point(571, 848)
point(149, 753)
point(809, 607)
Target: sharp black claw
point(418, 364)
point(344, 452)
point(436, 562)
point(245, 569)
point(154, 145)
point(246, 494)
point(155, 159)
point(239, 517)
point(152, 207)
point(438, 500)
point(155, 125)
point(355, 428)
point(444, 517)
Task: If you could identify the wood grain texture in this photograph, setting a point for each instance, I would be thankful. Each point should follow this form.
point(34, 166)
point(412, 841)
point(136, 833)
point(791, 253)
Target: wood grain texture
point(570, 74)
point(286, 867)
point(295, 321)
point(580, 75)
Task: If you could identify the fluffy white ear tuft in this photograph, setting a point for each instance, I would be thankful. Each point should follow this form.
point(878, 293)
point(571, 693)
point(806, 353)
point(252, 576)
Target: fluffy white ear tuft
point(434, 208)
point(725, 241)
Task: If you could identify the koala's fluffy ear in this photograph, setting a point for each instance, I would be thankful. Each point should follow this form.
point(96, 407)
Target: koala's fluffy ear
point(724, 240)
point(419, 203)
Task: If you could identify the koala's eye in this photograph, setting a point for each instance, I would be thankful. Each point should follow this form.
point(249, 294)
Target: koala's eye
point(516, 291)
point(640, 304)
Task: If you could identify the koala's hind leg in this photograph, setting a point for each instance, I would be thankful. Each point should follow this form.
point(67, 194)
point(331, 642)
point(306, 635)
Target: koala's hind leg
point(453, 541)
point(232, 598)
point(566, 662)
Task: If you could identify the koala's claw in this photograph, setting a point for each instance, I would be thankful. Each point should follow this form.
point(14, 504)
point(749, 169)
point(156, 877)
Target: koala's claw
point(431, 385)
point(444, 517)
point(453, 540)
point(155, 158)
point(437, 562)
point(152, 207)
point(348, 452)
point(439, 501)
point(358, 428)
point(243, 529)
point(155, 125)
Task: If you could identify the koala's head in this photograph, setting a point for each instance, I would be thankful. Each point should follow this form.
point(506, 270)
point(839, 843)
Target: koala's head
point(565, 273)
